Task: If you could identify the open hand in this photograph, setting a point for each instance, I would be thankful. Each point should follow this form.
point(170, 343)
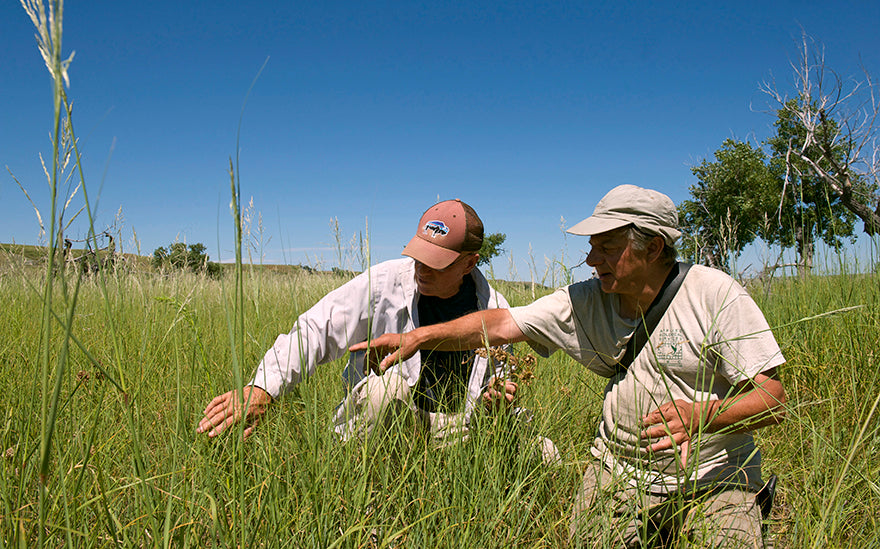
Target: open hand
point(226, 410)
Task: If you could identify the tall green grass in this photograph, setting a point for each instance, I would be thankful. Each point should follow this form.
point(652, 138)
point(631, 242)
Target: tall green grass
point(293, 484)
point(104, 379)
point(828, 450)
point(129, 466)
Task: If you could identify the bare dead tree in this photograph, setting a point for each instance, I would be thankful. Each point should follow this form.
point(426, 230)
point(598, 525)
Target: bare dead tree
point(853, 103)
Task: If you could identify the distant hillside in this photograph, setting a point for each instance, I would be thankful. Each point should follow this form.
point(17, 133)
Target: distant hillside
point(17, 255)
point(34, 255)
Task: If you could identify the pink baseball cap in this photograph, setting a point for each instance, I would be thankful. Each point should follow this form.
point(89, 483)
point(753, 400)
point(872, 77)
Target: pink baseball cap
point(447, 230)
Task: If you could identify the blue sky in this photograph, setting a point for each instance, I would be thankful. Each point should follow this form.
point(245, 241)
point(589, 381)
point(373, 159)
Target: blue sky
point(370, 112)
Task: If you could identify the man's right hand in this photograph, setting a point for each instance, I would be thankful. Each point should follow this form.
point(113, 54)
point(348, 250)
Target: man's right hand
point(226, 409)
point(499, 394)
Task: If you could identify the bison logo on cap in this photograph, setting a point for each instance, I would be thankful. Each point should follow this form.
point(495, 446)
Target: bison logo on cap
point(436, 228)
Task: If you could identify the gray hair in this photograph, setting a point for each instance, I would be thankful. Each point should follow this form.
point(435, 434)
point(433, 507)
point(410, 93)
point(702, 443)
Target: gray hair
point(640, 240)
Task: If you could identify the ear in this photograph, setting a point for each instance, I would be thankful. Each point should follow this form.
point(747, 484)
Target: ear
point(471, 262)
point(655, 249)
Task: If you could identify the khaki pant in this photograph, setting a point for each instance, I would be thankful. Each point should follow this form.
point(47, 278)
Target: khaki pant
point(609, 512)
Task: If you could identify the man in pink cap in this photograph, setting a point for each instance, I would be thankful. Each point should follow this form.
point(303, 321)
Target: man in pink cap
point(674, 451)
point(436, 282)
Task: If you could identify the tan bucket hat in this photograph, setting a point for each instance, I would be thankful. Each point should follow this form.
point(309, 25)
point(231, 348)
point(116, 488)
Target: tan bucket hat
point(625, 205)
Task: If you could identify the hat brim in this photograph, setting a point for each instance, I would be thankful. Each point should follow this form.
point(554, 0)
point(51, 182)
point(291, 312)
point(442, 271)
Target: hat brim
point(597, 225)
point(430, 254)
point(594, 225)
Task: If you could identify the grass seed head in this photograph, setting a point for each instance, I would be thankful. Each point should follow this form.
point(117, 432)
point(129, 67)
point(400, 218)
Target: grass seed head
point(522, 369)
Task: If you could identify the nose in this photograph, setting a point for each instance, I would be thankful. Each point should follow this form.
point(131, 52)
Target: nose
point(423, 270)
point(593, 258)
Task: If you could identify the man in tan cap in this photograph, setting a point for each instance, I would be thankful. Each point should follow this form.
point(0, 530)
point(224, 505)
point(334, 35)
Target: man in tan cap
point(438, 281)
point(674, 448)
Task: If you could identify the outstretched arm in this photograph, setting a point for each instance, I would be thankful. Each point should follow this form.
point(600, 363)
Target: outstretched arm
point(492, 326)
point(319, 335)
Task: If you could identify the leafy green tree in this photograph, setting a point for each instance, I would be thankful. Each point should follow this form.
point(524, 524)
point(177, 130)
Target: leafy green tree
point(830, 140)
point(180, 256)
point(823, 168)
point(491, 247)
point(808, 209)
point(782, 198)
point(732, 198)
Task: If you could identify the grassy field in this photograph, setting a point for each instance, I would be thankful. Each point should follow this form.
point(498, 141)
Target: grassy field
point(104, 378)
point(126, 468)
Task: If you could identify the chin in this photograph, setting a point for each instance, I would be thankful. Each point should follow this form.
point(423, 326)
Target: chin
point(609, 287)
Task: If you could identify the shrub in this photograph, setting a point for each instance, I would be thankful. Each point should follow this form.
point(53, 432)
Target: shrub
point(182, 257)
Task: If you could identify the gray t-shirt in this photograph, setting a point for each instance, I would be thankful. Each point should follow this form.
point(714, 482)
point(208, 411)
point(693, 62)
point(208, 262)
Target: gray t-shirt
point(712, 337)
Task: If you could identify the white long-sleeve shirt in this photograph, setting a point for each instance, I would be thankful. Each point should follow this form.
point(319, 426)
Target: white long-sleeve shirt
point(380, 300)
